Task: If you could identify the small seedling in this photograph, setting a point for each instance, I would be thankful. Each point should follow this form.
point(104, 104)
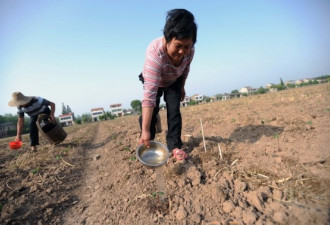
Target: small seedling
point(309, 122)
point(58, 157)
point(64, 151)
point(233, 120)
point(127, 149)
point(155, 194)
point(133, 158)
point(276, 136)
point(35, 170)
point(113, 137)
point(262, 122)
point(327, 109)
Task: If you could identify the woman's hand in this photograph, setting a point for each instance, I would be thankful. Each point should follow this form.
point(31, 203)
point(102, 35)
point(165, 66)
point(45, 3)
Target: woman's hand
point(18, 137)
point(145, 138)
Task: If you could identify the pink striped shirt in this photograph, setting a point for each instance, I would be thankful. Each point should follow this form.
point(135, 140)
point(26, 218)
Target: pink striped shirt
point(158, 71)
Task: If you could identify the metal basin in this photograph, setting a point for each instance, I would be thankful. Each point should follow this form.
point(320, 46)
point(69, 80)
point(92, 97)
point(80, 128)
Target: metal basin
point(157, 154)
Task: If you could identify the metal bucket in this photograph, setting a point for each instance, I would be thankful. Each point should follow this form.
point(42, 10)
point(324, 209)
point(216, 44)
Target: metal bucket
point(157, 154)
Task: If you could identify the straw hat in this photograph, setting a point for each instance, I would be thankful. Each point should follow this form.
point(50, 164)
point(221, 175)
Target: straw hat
point(19, 99)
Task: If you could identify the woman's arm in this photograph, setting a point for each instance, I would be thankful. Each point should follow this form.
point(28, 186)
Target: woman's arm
point(146, 121)
point(20, 126)
point(183, 91)
point(52, 111)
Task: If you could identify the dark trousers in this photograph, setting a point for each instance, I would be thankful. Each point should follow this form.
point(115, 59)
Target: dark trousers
point(172, 97)
point(34, 134)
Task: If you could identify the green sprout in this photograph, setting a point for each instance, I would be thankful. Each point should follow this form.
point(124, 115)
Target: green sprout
point(35, 170)
point(154, 194)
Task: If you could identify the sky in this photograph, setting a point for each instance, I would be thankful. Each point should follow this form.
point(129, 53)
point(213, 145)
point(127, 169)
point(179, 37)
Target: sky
point(88, 54)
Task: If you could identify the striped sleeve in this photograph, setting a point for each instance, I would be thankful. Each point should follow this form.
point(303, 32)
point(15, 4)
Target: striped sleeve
point(45, 102)
point(20, 112)
point(151, 73)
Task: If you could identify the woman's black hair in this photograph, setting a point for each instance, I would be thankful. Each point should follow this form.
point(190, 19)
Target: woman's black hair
point(180, 23)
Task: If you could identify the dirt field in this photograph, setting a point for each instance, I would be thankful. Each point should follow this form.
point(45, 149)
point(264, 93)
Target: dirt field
point(275, 168)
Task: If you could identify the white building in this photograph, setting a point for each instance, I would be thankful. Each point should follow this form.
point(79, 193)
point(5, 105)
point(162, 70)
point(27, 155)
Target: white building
point(66, 120)
point(247, 90)
point(185, 101)
point(96, 113)
point(116, 109)
point(197, 97)
point(225, 97)
point(268, 86)
point(289, 82)
point(127, 112)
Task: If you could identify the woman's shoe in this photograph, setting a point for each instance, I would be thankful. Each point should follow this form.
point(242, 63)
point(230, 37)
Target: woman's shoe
point(179, 154)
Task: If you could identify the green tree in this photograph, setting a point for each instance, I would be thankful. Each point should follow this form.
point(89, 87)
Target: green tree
point(207, 98)
point(68, 109)
point(291, 85)
point(192, 103)
point(86, 118)
point(109, 115)
point(78, 120)
point(234, 91)
point(10, 118)
point(102, 117)
point(261, 90)
point(2, 119)
point(64, 110)
point(136, 105)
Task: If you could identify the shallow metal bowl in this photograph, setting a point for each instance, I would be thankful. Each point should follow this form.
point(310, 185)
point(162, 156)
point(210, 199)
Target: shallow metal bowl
point(157, 154)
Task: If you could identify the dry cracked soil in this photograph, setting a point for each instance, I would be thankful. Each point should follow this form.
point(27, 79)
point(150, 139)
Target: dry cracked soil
point(264, 159)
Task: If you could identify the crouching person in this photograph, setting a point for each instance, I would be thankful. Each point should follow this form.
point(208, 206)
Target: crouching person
point(32, 106)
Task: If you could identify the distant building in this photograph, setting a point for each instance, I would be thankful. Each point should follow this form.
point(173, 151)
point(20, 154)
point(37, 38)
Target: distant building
point(185, 101)
point(306, 80)
point(116, 109)
point(197, 97)
point(225, 97)
point(247, 90)
point(321, 80)
point(213, 99)
point(127, 112)
point(96, 113)
point(290, 82)
point(268, 86)
point(5, 127)
point(67, 119)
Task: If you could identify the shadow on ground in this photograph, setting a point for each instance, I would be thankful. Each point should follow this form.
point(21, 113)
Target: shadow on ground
point(252, 133)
